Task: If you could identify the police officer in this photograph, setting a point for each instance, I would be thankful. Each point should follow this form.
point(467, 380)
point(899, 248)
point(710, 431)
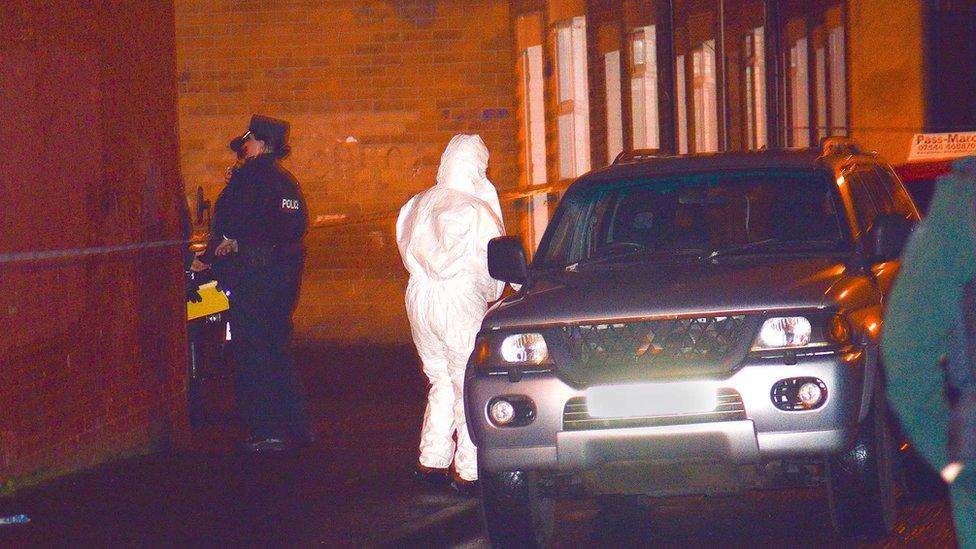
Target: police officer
point(259, 220)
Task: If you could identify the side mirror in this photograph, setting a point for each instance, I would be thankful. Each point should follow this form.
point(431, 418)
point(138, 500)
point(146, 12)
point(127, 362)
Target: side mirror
point(202, 205)
point(889, 235)
point(506, 260)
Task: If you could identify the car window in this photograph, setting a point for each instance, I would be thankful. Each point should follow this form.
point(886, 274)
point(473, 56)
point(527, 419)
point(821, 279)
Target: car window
point(902, 201)
point(567, 223)
point(865, 209)
point(702, 211)
point(878, 190)
point(600, 223)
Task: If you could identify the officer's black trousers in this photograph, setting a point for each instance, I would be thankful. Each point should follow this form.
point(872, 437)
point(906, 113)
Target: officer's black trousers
point(269, 399)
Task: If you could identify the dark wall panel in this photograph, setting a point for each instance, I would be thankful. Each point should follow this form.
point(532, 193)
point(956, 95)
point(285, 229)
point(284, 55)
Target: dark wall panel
point(950, 56)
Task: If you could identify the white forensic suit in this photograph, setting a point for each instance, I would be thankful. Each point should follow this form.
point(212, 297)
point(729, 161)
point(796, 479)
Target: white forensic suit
point(443, 236)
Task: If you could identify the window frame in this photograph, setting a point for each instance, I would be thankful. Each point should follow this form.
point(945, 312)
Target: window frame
point(753, 89)
point(572, 97)
point(704, 79)
point(613, 78)
point(644, 88)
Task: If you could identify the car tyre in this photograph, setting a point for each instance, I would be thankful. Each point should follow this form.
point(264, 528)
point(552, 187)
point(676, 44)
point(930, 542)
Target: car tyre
point(860, 481)
point(515, 513)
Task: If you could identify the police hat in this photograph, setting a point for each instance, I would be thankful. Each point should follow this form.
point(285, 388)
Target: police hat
point(272, 131)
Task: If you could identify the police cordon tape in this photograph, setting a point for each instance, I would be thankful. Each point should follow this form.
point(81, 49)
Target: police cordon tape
point(77, 253)
point(332, 222)
point(327, 222)
point(338, 220)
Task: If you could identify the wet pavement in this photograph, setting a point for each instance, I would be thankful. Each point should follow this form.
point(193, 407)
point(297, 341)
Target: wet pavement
point(351, 488)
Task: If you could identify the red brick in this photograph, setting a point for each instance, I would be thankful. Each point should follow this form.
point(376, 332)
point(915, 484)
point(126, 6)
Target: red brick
point(334, 73)
point(67, 382)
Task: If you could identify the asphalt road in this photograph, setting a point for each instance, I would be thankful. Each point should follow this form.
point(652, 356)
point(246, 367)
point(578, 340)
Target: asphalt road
point(792, 518)
point(352, 488)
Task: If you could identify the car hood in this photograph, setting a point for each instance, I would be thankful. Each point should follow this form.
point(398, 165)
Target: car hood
point(669, 287)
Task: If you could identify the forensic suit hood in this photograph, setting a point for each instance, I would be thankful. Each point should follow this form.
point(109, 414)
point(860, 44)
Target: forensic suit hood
point(442, 234)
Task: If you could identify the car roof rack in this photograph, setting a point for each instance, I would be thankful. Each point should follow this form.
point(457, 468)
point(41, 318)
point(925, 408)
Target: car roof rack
point(839, 144)
point(637, 155)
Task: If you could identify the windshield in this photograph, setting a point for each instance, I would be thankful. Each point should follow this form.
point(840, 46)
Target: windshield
point(705, 213)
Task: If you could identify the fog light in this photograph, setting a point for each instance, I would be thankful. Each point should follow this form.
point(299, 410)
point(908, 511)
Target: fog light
point(511, 411)
point(809, 394)
point(798, 394)
point(502, 412)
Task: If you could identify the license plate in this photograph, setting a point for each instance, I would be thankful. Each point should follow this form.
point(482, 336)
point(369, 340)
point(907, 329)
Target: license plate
point(650, 399)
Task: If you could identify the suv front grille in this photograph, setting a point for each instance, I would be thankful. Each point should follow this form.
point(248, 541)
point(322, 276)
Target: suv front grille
point(576, 417)
point(703, 340)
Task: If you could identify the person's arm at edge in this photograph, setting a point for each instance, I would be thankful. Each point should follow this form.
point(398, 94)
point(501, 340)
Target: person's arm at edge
point(921, 309)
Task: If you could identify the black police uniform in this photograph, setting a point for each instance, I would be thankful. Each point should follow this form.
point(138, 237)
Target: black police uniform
point(262, 208)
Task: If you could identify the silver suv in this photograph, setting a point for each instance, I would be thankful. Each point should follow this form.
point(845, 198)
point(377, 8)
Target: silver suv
point(694, 324)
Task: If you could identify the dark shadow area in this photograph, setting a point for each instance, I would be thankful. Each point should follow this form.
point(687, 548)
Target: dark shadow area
point(351, 487)
point(771, 518)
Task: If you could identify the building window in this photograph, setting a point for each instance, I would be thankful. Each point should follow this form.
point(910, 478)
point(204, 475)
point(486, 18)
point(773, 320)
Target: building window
point(643, 88)
point(837, 70)
point(615, 127)
point(573, 124)
point(798, 92)
point(754, 89)
point(533, 118)
point(534, 130)
point(816, 83)
point(705, 104)
point(820, 82)
point(682, 105)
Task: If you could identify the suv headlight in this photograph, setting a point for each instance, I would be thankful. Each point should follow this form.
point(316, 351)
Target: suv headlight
point(816, 329)
point(784, 332)
point(502, 353)
point(527, 348)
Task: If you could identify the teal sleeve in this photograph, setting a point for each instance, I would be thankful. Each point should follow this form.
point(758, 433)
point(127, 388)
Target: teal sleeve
point(938, 260)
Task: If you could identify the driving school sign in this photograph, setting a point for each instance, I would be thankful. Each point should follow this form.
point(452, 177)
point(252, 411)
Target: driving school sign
point(940, 146)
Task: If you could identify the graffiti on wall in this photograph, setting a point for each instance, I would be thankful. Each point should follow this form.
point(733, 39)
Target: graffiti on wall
point(363, 169)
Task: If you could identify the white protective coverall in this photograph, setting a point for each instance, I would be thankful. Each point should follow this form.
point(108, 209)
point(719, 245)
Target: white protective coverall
point(443, 235)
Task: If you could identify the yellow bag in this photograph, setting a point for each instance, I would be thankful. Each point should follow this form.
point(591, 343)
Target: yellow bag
point(214, 301)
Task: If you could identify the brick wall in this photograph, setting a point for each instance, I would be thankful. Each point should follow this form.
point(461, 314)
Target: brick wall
point(885, 80)
point(373, 90)
point(93, 351)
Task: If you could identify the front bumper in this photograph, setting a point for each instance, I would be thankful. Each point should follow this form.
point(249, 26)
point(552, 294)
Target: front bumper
point(766, 432)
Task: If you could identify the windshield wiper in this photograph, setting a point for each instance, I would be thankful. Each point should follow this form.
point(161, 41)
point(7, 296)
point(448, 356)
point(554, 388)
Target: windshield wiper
point(574, 267)
point(742, 247)
point(603, 258)
point(795, 246)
